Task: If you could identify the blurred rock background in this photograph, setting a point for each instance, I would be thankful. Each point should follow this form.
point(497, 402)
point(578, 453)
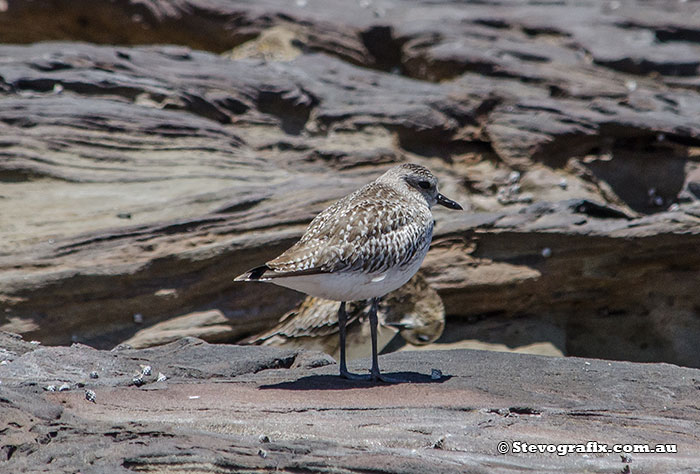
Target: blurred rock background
point(151, 150)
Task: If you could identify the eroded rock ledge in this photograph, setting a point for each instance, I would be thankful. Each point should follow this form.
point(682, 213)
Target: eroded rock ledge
point(137, 180)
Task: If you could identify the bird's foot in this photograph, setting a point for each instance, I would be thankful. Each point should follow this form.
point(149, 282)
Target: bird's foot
point(350, 376)
point(379, 377)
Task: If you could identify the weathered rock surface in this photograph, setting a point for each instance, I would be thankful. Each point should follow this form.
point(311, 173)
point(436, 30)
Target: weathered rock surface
point(229, 408)
point(137, 180)
point(210, 326)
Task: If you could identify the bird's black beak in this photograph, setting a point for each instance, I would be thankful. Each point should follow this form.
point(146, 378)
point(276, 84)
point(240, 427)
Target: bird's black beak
point(443, 201)
point(400, 325)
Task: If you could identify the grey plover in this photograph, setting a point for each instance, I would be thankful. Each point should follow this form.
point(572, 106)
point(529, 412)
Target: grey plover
point(414, 311)
point(364, 246)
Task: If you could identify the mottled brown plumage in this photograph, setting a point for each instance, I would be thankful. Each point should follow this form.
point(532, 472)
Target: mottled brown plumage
point(370, 230)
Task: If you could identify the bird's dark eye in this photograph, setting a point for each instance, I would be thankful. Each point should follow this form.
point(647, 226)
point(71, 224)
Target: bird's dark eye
point(424, 184)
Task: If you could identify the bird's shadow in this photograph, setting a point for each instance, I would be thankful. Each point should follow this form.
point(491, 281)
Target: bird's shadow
point(336, 382)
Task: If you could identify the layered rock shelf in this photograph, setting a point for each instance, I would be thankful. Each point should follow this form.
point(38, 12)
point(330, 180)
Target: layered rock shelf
point(152, 150)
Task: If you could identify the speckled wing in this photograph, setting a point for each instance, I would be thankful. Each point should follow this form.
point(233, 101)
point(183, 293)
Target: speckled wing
point(361, 232)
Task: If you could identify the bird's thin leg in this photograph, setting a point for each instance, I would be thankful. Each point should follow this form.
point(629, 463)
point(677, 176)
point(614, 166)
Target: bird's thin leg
point(375, 374)
point(342, 319)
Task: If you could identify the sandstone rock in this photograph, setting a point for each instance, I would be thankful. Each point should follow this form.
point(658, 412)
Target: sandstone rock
point(211, 326)
point(137, 180)
point(529, 336)
point(187, 358)
point(201, 419)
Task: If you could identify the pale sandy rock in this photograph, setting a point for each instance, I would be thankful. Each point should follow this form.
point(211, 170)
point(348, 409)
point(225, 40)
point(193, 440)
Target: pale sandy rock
point(210, 326)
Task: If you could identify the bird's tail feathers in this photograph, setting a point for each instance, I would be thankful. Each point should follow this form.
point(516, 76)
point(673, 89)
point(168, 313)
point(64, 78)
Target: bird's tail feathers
point(254, 274)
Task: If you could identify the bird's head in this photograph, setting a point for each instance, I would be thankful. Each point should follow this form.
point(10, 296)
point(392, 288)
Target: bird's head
point(416, 311)
point(421, 181)
point(419, 330)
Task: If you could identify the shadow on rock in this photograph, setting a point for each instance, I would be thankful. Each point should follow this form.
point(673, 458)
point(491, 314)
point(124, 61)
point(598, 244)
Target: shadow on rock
point(335, 382)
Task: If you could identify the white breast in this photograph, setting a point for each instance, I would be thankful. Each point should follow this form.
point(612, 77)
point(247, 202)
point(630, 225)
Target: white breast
point(354, 285)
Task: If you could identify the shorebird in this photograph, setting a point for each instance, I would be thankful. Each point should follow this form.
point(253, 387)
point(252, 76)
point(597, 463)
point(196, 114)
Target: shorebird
point(363, 246)
point(414, 311)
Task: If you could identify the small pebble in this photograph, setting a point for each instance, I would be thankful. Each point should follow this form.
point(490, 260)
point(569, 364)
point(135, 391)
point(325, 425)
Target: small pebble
point(674, 207)
point(193, 397)
point(435, 374)
point(546, 252)
point(262, 453)
point(514, 177)
point(563, 183)
point(587, 363)
point(138, 318)
point(90, 396)
point(440, 443)
point(4, 362)
point(138, 381)
point(94, 375)
point(659, 201)
point(50, 388)
point(146, 370)
point(161, 377)
point(36, 343)
point(166, 292)
point(631, 85)
point(121, 347)
point(526, 198)
point(264, 438)
point(64, 387)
